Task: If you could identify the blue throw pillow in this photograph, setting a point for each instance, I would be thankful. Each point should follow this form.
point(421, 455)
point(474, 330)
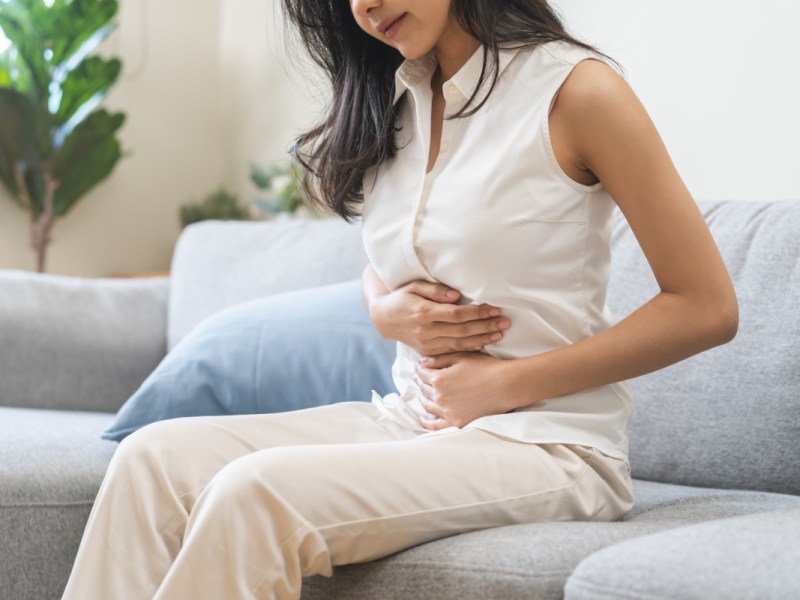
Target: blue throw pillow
point(284, 352)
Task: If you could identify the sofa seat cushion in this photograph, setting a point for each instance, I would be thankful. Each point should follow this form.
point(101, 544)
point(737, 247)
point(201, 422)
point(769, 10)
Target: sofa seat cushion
point(530, 561)
point(748, 557)
point(51, 456)
point(51, 466)
point(676, 505)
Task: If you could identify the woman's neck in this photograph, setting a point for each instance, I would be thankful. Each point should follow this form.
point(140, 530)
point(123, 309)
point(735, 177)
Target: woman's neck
point(453, 50)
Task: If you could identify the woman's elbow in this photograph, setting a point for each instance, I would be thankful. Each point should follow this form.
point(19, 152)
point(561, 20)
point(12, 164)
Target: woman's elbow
point(725, 318)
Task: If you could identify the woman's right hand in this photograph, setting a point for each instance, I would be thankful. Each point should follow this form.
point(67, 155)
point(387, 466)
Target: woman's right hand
point(424, 316)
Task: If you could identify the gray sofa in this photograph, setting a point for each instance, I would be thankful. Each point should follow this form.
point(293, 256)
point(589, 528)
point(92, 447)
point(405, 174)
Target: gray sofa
point(713, 438)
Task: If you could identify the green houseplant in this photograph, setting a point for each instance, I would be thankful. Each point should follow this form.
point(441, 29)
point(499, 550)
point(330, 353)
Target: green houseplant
point(55, 144)
point(280, 182)
point(221, 205)
point(284, 194)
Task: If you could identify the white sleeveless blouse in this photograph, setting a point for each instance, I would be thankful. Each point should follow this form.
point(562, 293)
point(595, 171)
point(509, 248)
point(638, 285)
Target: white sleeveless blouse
point(499, 220)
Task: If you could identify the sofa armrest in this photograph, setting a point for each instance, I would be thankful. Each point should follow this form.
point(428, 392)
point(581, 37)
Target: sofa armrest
point(77, 343)
point(747, 556)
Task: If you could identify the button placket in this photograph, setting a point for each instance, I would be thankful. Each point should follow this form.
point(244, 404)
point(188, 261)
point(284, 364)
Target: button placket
point(439, 165)
point(423, 99)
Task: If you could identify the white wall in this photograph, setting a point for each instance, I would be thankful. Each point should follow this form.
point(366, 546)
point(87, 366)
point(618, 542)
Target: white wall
point(169, 89)
point(718, 78)
point(269, 95)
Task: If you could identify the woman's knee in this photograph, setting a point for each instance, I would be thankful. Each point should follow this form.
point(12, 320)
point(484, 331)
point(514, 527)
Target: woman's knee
point(150, 437)
point(156, 445)
point(274, 475)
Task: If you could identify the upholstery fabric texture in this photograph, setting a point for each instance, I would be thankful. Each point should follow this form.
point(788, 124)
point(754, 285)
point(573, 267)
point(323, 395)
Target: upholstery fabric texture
point(109, 331)
point(218, 264)
point(530, 561)
point(717, 559)
point(284, 352)
point(724, 417)
point(51, 466)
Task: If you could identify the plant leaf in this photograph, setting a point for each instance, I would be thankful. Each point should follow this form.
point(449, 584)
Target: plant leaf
point(5, 76)
point(78, 27)
point(7, 177)
point(92, 77)
point(260, 177)
point(17, 24)
point(88, 156)
point(24, 129)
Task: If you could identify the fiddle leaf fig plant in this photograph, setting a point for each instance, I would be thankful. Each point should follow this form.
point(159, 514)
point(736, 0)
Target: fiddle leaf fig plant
point(55, 143)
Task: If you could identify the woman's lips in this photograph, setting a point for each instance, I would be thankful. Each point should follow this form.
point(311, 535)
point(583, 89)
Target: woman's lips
point(394, 26)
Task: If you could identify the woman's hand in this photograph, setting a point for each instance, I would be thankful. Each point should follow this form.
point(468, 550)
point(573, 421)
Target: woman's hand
point(460, 387)
point(423, 316)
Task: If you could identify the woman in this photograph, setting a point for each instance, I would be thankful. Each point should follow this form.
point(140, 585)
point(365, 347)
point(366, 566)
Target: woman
point(485, 149)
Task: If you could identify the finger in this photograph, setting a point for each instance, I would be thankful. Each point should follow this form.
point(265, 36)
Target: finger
point(423, 385)
point(434, 411)
point(440, 361)
point(466, 344)
point(462, 338)
point(464, 313)
point(434, 424)
point(474, 328)
point(434, 291)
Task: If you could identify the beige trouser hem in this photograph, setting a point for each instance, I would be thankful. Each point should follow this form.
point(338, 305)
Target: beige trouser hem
point(241, 507)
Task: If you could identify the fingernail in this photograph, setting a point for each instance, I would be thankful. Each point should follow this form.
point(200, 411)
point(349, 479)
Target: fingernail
point(504, 323)
point(496, 337)
point(493, 312)
point(425, 360)
point(451, 294)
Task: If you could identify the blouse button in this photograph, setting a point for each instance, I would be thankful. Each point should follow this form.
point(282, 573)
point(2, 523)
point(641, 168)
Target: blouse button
point(445, 147)
point(452, 88)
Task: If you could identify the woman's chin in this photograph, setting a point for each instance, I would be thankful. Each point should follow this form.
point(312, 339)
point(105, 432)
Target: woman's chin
point(410, 51)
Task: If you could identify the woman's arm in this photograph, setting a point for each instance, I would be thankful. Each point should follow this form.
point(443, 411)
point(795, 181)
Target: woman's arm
point(609, 133)
point(423, 316)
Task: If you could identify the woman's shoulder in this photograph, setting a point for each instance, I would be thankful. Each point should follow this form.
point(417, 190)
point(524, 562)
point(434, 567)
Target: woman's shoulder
point(560, 55)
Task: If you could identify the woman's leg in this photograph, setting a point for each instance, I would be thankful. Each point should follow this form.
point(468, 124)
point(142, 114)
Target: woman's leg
point(205, 507)
point(271, 517)
point(136, 526)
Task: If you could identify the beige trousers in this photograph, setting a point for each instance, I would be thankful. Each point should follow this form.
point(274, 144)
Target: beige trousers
point(240, 507)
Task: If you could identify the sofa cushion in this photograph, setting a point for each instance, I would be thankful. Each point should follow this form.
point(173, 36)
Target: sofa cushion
point(674, 505)
point(111, 331)
point(51, 466)
point(530, 561)
point(284, 352)
point(217, 264)
point(730, 416)
point(748, 558)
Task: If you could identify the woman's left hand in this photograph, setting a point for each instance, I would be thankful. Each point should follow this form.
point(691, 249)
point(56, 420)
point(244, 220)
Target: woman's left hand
point(459, 387)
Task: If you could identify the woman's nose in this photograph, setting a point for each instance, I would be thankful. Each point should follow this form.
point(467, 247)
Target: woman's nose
point(362, 8)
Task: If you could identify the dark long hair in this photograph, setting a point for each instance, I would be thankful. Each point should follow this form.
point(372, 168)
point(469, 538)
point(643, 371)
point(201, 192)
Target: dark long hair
point(359, 128)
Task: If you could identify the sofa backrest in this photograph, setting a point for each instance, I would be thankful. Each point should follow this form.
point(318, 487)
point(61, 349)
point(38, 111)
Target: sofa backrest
point(730, 416)
point(78, 343)
point(217, 264)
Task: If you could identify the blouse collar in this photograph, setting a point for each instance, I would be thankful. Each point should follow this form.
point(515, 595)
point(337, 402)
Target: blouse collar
point(412, 73)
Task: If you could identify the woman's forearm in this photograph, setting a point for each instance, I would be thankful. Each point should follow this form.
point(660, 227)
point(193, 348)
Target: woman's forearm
point(372, 287)
point(665, 330)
